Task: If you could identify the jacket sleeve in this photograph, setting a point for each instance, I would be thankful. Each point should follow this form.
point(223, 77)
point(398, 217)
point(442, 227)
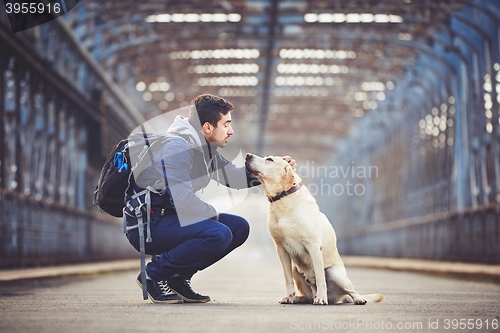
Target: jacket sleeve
point(175, 166)
point(232, 176)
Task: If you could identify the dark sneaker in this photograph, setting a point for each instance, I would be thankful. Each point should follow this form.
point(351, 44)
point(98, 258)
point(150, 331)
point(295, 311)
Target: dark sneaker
point(160, 292)
point(182, 287)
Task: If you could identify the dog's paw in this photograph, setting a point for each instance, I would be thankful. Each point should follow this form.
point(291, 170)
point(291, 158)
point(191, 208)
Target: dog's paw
point(320, 301)
point(359, 301)
point(287, 299)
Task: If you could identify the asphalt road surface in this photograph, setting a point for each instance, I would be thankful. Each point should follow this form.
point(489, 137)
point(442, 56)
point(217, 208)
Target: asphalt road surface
point(245, 294)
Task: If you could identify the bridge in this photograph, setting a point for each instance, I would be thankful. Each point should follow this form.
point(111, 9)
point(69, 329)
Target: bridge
point(390, 107)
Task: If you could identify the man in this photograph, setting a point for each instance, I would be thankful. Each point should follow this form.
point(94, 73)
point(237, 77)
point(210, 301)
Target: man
point(187, 233)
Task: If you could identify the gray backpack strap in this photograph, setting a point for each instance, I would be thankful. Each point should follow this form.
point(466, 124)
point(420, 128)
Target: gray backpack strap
point(142, 248)
point(135, 208)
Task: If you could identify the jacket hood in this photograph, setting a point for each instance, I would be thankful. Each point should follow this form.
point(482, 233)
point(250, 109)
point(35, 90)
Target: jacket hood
point(182, 126)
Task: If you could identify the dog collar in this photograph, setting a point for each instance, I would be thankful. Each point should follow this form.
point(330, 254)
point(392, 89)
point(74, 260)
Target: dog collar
point(285, 193)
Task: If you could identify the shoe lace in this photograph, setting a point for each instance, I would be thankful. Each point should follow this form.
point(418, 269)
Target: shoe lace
point(165, 288)
point(187, 283)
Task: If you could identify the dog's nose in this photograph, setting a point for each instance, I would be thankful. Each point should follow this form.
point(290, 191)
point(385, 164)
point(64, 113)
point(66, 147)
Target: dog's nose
point(248, 156)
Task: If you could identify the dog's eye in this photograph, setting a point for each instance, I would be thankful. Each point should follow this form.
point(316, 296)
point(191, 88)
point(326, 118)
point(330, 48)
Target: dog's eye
point(269, 159)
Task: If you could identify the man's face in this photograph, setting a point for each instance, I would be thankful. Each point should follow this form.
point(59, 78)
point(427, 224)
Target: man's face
point(220, 135)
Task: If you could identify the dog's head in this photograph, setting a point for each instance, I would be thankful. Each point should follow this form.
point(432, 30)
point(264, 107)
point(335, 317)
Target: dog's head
point(275, 174)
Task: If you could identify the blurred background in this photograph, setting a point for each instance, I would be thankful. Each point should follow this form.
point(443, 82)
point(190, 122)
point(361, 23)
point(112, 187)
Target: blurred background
point(390, 107)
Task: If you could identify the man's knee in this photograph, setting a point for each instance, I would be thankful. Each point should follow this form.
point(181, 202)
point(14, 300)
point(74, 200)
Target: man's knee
point(238, 225)
point(243, 230)
point(221, 238)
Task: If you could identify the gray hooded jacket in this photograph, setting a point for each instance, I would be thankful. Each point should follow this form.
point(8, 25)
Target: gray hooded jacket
point(185, 163)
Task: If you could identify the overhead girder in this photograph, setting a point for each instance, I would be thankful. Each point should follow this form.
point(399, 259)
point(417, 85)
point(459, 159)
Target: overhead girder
point(185, 8)
point(124, 37)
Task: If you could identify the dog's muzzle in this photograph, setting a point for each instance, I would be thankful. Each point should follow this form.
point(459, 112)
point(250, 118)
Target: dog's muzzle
point(248, 160)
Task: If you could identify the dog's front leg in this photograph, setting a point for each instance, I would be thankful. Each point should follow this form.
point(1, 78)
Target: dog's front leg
point(286, 263)
point(321, 297)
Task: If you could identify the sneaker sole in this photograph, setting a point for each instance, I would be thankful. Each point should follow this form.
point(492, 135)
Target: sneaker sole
point(190, 300)
point(174, 301)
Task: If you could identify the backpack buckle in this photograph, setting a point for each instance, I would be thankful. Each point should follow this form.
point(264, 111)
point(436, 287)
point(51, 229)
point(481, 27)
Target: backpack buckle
point(135, 208)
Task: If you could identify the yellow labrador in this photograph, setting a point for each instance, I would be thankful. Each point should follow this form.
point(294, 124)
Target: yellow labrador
point(305, 240)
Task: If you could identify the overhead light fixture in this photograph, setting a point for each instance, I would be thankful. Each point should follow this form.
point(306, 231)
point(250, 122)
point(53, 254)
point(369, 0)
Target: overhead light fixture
point(302, 91)
point(160, 85)
point(310, 17)
point(229, 81)
point(373, 86)
point(307, 81)
point(140, 86)
point(316, 54)
point(404, 36)
point(241, 92)
point(193, 17)
point(352, 18)
point(225, 68)
point(216, 54)
point(294, 68)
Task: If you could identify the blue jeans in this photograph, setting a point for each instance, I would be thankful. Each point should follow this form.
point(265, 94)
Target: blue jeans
point(188, 249)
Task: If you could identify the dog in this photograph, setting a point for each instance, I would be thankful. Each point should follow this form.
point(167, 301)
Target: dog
point(305, 240)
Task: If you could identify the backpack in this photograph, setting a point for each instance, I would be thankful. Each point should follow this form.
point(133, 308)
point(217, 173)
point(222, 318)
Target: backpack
point(115, 191)
point(116, 181)
point(114, 185)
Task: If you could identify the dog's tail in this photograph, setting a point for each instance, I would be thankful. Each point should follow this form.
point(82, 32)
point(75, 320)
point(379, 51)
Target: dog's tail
point(374, 298)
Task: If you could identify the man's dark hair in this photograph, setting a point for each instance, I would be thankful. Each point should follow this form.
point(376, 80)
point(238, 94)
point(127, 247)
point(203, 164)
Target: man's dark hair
point(209, 108)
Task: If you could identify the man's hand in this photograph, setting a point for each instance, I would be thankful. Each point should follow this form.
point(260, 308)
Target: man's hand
point(290, 161)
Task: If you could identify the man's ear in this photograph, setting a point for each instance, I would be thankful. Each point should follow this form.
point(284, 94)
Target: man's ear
point(207, 128)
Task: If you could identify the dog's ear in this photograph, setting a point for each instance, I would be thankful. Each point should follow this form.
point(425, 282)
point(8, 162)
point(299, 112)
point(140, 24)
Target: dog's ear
point(288, 174)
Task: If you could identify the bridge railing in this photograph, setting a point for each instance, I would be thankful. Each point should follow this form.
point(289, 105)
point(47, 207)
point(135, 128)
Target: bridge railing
point(59, 116)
